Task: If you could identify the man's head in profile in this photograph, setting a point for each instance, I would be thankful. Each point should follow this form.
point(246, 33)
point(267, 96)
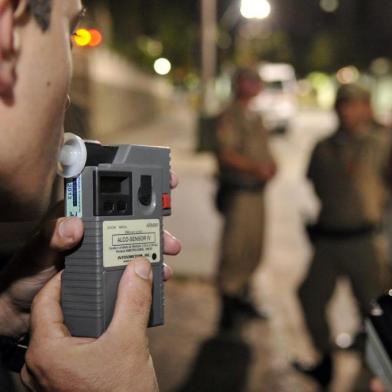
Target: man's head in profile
point(352, 107)
point(246, 83)
point(35, 73)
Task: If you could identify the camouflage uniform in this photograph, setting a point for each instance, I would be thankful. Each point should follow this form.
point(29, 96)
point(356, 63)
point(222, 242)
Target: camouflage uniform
point(348, 176)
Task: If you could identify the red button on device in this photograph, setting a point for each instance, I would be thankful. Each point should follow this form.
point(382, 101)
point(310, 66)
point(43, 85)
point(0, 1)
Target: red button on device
point(166, 201)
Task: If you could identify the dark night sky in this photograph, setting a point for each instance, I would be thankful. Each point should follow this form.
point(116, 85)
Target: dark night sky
point(357, 33)
point(362, 28)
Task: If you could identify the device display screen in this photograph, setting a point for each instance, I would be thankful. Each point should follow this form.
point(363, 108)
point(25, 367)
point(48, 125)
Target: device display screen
point(112, 184)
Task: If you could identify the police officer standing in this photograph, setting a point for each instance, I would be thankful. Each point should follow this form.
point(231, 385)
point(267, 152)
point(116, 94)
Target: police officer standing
point(245, 166)
point(348, 171)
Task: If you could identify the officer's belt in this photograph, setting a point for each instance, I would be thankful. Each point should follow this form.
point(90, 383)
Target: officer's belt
point(235, 185)
point(318, 231)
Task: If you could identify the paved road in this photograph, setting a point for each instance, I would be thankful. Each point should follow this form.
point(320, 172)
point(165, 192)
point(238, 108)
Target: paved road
point(187, 355)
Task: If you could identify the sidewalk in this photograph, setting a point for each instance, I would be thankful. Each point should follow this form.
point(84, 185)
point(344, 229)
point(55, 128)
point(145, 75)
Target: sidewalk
point(189, 357)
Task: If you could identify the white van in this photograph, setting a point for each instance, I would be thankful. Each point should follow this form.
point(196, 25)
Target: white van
point(277, 102)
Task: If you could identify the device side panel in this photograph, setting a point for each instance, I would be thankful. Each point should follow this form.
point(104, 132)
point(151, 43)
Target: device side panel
point(82, 294)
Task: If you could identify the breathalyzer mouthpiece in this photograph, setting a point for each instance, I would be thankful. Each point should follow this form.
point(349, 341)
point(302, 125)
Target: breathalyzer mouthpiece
point(72, 156)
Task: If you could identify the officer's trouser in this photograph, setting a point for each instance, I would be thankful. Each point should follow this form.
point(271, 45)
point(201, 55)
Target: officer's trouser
point(360, 260)
point(242, 238)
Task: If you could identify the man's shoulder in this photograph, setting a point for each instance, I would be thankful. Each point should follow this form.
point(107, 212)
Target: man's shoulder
point(226, 114)
point(326, 143)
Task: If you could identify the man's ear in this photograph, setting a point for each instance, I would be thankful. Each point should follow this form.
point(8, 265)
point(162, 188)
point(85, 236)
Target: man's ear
point(7, 63)
point(10, 12)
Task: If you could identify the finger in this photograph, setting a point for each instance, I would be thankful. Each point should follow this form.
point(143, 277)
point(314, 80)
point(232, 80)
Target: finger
point(172, 246)
point(56, 237)
point(47, 319)
point(174, 181)
point(67, 233)
point(376, 385)
point(168, 272)
point(43, 250)
point(133, 303)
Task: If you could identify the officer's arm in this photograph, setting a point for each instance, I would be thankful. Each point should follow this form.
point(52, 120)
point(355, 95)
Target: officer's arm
point(228, 140)
point(232, 159)
point(313, 171)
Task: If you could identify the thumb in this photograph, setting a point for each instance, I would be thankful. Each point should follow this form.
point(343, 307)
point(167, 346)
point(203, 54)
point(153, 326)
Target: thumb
point(43, 250)
point(133, 302)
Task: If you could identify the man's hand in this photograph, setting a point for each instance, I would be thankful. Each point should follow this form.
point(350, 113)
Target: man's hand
point(37, 263)
point(266, 172)
point(117, 361)
point(376, 385)
point(32, 267)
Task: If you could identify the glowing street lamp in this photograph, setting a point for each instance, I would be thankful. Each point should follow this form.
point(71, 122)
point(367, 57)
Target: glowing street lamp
point(87, 38)
point(162, 66)
point(255, 9)
point(329, 5)
point(96, 38)
point(82, 37)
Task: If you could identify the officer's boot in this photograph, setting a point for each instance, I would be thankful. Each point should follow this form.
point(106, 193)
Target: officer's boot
point(228, 315)
point(235, 309)
point(247, 308)
point(321, 372)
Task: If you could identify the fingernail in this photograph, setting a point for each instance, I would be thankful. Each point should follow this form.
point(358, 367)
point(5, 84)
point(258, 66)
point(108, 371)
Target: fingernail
point(66, 229)
point(172, 236)
point(143, 268)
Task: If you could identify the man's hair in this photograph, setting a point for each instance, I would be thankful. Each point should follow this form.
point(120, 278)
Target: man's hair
point(244, 74)
point(41, 11)
point(349, 93)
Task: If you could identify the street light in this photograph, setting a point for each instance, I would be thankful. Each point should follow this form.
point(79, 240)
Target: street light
point(82, 37)
point(255, 9)
point(162, 66)
point(329, 5)
point(87, 38)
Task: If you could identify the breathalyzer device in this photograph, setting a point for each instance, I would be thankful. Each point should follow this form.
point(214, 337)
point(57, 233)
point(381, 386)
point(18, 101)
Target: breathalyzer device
point(121, 193)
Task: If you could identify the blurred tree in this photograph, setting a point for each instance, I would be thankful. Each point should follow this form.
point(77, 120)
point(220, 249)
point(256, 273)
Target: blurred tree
point(299, 31)
point(147, 29)
point(322, 52)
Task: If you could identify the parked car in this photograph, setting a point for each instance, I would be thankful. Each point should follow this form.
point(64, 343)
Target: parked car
point(277, 101)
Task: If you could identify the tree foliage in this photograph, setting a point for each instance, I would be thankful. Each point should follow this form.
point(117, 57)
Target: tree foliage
point(299, 32)
point(146, 29)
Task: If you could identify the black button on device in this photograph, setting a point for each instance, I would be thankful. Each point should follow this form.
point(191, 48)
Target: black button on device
point(145, 190)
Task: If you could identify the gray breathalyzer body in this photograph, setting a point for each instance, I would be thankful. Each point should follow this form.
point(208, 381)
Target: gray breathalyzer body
point(121, 195)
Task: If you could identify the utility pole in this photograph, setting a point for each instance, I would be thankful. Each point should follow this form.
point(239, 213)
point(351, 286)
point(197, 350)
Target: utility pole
point(208, 52)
